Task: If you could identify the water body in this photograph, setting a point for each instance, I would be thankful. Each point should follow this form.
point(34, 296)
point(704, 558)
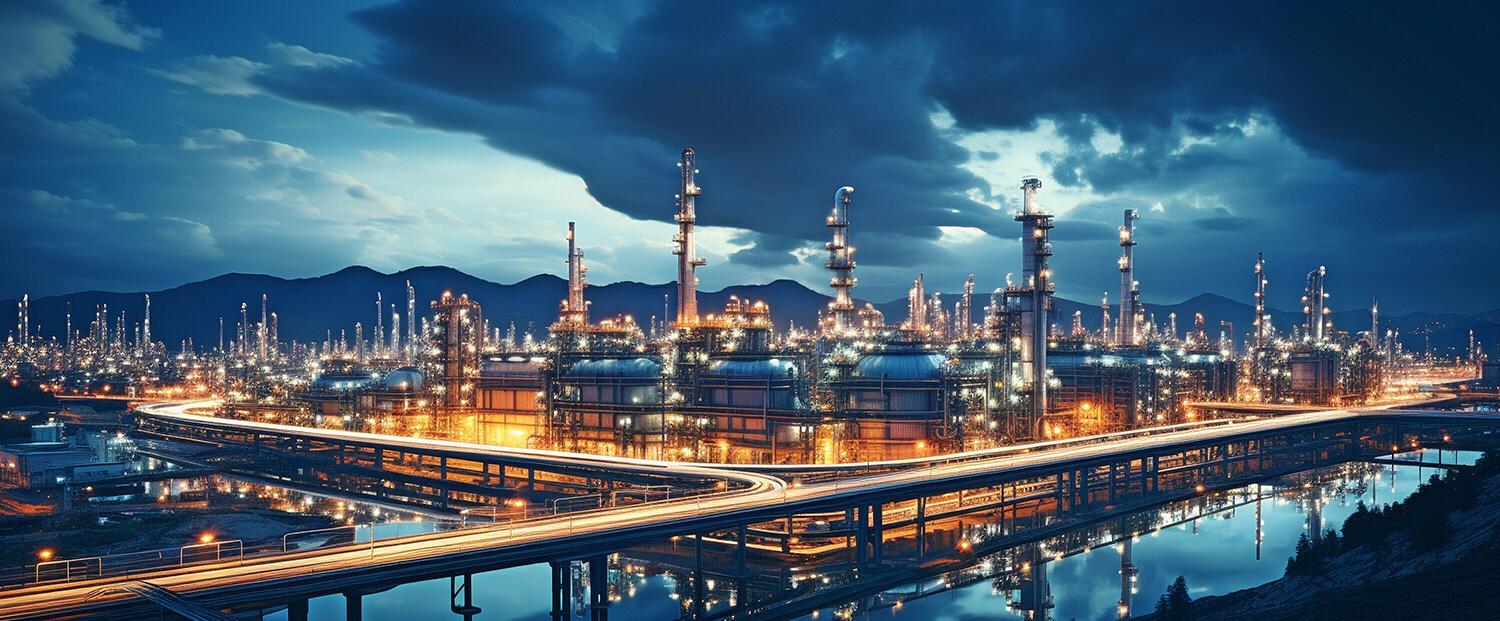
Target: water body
point(1211, 541)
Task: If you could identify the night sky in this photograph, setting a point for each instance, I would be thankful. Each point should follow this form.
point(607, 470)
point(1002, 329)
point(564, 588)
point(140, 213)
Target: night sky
point(146, 144)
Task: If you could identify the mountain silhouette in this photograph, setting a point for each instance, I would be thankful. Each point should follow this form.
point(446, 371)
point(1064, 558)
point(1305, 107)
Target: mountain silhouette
point(309, 307)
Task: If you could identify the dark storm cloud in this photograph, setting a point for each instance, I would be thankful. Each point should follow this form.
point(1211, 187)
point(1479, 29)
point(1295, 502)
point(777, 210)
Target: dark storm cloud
point(785, 101)
point(1316, 133)
point(781, 109)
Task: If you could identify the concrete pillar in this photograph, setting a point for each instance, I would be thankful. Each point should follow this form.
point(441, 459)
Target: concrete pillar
point(599, 588)
point(562, 591)
point(353, 606)
point(861, 535)
point(297, 610)
point(739, 551)
point(698, 593)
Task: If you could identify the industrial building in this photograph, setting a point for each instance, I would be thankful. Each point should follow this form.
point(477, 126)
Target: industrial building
point(726, 384)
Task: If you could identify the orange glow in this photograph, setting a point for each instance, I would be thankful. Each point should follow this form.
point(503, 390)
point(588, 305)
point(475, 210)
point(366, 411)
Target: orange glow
point(45, 554)
point(206, 538)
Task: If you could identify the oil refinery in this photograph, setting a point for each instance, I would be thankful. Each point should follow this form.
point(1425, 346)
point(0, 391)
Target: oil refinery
point(730, 386)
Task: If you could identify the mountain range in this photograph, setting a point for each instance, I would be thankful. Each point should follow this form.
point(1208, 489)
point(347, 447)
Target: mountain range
point(307, 307)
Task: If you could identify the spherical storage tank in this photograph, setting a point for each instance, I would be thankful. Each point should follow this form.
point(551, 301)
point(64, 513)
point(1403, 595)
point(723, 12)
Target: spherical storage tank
point(405, 379)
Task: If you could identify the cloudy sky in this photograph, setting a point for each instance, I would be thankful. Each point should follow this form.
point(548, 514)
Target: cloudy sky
point(144, 144)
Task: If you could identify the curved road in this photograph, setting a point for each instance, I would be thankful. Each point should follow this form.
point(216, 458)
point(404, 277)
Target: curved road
point(763, 497)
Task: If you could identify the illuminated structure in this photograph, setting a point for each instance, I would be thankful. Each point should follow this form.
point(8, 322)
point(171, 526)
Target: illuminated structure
point(457, 335)
point(1035, 296)
point(841, 262)
point(1129, 288)
point(730, 386)
point(686, 249)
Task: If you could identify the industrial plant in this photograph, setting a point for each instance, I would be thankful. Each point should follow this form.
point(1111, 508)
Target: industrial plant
point(732, 385)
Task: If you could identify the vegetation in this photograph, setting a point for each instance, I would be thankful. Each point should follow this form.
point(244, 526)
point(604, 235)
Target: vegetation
point(1422, 517)
point(1175, 604)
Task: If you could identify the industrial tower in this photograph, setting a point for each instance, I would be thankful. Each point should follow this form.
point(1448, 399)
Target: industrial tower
point(575, 310)
point(686, 251)
point(1129, 293)
point(1262, 323)
point(1315, 305)
point(1036, 300)
point(841, 262)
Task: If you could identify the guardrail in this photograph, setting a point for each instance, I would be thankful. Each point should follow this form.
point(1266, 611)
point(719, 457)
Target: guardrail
point(811, 473)
point(125, 565)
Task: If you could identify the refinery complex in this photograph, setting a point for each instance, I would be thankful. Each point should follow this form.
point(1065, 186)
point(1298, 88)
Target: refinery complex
point(727, 385)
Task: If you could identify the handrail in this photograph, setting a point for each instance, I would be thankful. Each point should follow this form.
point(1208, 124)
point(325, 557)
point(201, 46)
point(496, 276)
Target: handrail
point(218, 547)
point(67, 565)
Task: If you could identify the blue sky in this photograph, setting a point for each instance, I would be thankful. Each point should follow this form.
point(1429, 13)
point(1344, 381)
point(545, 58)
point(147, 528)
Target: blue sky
point(150, 143)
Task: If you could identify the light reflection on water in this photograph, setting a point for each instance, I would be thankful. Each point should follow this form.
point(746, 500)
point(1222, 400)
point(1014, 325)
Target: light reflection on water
point(1216, 553)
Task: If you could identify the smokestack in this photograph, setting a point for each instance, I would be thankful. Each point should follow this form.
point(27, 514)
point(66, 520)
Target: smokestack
point(1128, 295)
point(379, 341)
point(1315, 305)
point(575, 310)
point(411, 322)
point(966, 309)
point(841, 262)
point(1104, 319)
point(686, 251)
point(146, 327)
point(261, 333)
point(1262, 321)
point(395, 332)
point(1037, 276)
point(244, 336)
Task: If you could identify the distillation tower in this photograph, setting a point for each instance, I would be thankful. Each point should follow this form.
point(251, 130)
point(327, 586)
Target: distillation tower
point(686, 250)
point(575, 310)
point(841, 262)
point(1315, 306)
point(1129, 290)
point(1036, 297)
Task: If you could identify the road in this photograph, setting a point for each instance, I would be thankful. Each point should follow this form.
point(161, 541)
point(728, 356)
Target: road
point(762, 497)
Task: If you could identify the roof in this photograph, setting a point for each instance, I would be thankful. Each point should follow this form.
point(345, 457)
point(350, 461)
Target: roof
point(901, 365)
point(624, 367)
point(756, 367)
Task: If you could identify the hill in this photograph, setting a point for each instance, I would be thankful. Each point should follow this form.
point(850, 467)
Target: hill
point(307, 307)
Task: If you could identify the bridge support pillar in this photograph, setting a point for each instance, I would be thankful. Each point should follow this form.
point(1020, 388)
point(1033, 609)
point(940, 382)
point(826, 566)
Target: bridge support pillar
point(1083, 487)
point(599, 588)
point(379, 458)
point(1113, 476)
point(443, 476)
point(739, 551)
point(562, 590)
point(877, 534)
point(1061, 492)
point(1155, 484)
point(921, 529)
point(861, 535)
point(354, 609)
point(297, 610)
point(698, 594)
point(461, 596)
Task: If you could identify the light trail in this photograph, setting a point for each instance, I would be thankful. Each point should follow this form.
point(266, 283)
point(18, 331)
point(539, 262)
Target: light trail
point(259, 579)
